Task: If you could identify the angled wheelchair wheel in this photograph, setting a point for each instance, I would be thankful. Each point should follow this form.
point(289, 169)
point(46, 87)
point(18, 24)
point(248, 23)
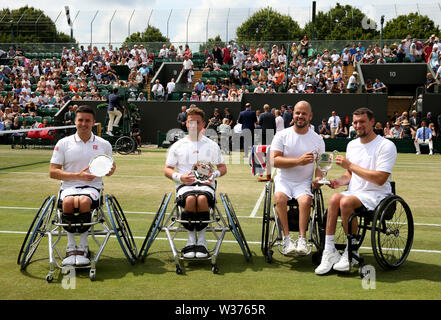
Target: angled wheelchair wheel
point(266, 223)
point(392, 232)
point(122, 229)
point(36, 232)
point(154, 227)
point(317, 220)
point(235, 226)
point(125, 145)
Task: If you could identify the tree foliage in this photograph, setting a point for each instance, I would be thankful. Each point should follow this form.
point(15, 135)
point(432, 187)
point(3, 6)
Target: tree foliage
point(29, 25)
point(151, 34)
point(342, 23)
point(268, 25)
point(413, 24)
point(212, 41)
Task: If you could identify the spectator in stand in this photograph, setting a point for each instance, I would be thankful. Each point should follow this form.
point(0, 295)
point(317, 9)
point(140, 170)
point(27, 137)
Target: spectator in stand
point(353, 83)
point(378, 129)
point(379, 86)
point(401, 53)
point(397, 130)
point(163, 53)
point(434, 58)
point(187, 68)
point(432, 127)
point(430, 83)
point(170, 88)
point(342, 131)
point(187, 52)
point(407, 132)
point(387, 130)
point(333, 123)
point(213, 97)
point(423, 136)
point(194, 96)
point(324, 129)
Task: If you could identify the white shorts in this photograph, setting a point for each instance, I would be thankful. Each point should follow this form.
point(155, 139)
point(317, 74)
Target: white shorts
point(292, 189)
point(73, 191)
point(186, 189)
point(370, 199)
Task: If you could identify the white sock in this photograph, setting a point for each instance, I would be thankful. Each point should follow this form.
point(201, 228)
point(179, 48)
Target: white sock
point(83, 239)
point(71, 240)
point(201, 238)
point(191, 238)
point(329, 243)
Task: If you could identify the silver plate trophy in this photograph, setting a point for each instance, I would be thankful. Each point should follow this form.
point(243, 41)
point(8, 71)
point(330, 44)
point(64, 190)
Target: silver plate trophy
point(203, 171)
point(100, 165)
point(324, 164)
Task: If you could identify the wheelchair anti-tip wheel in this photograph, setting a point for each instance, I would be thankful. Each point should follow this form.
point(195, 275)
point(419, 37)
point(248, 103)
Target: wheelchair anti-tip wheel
point(392, 232)
point(122, 229)
point(154, 227)
point(125, 145)
point(36, 232)
point(235, 226)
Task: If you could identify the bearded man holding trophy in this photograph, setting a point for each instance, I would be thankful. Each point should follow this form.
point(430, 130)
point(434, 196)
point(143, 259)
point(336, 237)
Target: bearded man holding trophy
point(368, 163)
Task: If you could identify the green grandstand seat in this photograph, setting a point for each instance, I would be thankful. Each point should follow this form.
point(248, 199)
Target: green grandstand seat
point(176, 96)
point(212, 79)
point(29, 120)
point(53, 111)
point(226, 67)
point(49, 119)
point(20, 119)
point(206, 74)
point(38, 119)
point(3, 93)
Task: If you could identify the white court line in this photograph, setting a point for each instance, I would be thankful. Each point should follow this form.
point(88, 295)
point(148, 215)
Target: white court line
point(252, 217)
point(256, 207)
point(229, 241)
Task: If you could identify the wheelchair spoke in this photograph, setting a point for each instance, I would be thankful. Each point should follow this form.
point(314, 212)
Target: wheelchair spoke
point(394, 233)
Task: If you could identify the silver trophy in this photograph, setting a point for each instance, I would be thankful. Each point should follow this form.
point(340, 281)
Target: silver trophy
point(202, 171)
point(324, 164)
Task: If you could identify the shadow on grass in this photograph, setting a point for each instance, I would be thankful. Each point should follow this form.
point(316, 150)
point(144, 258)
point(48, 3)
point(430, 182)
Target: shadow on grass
point(226, 262)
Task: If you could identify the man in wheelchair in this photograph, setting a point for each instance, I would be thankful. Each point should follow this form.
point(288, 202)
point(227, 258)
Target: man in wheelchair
point(368, 163)
point(292, 153)
point(80, 190)
point(194, 157)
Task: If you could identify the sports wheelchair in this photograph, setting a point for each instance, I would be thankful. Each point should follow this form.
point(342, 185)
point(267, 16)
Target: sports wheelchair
point(218, 226)
point(272, 228)
point(48, 222)
point(392, 231)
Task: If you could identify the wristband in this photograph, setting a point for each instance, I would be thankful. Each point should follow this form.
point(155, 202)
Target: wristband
point(216, 174)
point(177, 177)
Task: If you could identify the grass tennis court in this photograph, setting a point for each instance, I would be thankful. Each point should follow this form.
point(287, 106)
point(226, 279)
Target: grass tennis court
point(139, 185)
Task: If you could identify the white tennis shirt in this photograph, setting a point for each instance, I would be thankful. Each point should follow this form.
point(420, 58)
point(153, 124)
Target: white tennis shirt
point(294, 145)
point(74, 155)
point(184, 153)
